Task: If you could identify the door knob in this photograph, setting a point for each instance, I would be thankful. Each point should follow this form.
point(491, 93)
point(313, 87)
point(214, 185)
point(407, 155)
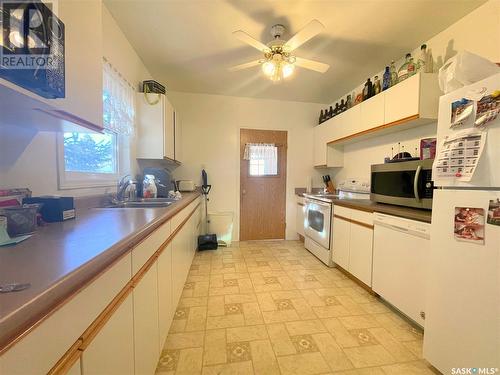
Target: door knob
point(243, 192)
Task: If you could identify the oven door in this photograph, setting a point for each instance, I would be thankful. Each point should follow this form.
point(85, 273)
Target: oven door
point(318, 222)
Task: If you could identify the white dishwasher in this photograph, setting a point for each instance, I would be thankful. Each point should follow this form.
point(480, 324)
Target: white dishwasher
point(400, 262)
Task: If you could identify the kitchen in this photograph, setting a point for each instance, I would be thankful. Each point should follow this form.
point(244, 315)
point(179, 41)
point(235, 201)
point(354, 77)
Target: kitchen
point(110, 279)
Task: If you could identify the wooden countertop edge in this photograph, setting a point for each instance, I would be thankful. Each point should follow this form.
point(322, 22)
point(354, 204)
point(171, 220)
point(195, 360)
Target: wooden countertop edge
point(138, 237)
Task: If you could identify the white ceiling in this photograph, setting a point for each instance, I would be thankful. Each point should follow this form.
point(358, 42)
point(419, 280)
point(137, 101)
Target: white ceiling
point(188, 44)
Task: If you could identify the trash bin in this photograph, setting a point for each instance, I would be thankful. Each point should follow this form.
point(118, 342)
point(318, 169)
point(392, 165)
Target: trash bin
point(221, 223)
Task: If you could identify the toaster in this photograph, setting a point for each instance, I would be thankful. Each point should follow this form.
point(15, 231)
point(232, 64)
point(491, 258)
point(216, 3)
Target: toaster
point(186, 185)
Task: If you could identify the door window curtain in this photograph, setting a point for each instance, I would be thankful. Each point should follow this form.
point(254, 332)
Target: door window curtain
point(118, 102)
point(264, 156)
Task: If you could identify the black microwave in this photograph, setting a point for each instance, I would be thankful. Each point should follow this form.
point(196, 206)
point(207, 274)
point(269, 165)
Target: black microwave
point(406, 183)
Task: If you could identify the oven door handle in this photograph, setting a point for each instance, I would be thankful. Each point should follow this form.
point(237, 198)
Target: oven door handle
point(415, 183)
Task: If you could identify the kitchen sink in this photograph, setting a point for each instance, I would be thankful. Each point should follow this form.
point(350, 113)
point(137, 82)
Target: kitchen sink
point(143, 203)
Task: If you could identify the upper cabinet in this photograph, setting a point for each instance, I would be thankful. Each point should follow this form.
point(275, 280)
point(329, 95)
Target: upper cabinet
point(410, 103)
point(159, 131)
point(84, 63)
point(82, 104)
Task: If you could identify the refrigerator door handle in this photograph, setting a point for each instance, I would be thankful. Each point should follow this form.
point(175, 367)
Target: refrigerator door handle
point(415, 183)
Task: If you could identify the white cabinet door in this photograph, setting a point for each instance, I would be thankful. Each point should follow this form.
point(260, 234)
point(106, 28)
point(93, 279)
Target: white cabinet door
point(112, 350)
point(341, 238)
point(300, 218)
point(178, 137)
point(179, 247)
point(38, 351)
point(402, 100)
point(319, 145)
point(165, 301)
point(372, 112)
point(169, 131)
point(83, 59)
point(150, 121)
point(360, 253)
point(146, 333)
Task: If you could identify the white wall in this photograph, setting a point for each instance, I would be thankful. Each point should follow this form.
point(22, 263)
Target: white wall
point(210, 133)
point(32, 161)
point(477, 32)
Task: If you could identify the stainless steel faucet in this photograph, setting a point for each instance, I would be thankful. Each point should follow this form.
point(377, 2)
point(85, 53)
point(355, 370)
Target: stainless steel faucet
point(127, 189)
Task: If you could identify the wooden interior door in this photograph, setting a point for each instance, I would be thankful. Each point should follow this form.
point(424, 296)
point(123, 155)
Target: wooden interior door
point(263, 198)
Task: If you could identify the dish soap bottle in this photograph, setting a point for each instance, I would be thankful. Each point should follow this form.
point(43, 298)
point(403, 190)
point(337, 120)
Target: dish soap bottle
point(149, 189)
point(403, 70)
point(386, 79)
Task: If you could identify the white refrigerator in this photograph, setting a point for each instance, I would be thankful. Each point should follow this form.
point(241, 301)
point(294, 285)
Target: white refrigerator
point(462, 324)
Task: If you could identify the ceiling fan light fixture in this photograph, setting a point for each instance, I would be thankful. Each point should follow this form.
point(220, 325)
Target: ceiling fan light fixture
point(287, 69)
point(268, 68)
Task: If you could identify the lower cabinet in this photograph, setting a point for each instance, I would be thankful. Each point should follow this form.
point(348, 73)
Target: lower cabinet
point(341, 237)
point(165, 299)
point(146, 330)
point(130, 340)
point(301, 216)
point(361, 253)
point(111, 352)
point(353, 242)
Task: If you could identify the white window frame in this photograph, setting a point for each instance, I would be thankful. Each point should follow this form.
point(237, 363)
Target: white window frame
point(76, 180)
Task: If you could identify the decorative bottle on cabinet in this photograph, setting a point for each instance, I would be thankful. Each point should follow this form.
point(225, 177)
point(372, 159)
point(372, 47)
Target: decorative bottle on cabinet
point(348, 101)
point(331, 113)
point(412, 67)
point(403, 70)
point(321, 117)
point(394, 74)
point(367, 90)
point(386, 79)
point(376, 86)
point(422, 60)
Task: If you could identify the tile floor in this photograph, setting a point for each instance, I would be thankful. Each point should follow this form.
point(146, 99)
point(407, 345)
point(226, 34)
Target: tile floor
point(271, 307)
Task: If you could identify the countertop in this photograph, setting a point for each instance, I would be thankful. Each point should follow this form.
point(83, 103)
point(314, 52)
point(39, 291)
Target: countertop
point(389, 209)
point(61, 258)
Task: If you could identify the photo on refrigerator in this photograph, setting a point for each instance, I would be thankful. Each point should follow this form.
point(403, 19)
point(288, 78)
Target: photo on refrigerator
point(469, 224)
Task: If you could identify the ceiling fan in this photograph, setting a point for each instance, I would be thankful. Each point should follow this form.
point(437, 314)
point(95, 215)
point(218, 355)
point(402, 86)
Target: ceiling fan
point(279, 60)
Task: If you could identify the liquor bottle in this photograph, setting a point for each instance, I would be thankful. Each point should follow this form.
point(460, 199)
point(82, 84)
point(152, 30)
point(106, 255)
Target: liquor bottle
point(348, 101)
point(342, 106)
point(367, 90)
point(336, 111)
point(321, 117)
point(330, 113)
point(376, 86)
point(422, 60)
point(386, 79)
point(394, 74)
point(412, 67)
point(403, 70)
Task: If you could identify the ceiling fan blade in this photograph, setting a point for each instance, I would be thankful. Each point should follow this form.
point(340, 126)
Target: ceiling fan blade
point(312, 65)
point(310, 30)
point(244, 37)
point(245, 65)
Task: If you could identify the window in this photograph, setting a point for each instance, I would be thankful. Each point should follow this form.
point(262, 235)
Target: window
point(87, 159)
point(263, 159)
point(90, 153)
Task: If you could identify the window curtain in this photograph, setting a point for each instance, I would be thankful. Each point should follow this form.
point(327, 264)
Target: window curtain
point(118, 102)
point(268, 152)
